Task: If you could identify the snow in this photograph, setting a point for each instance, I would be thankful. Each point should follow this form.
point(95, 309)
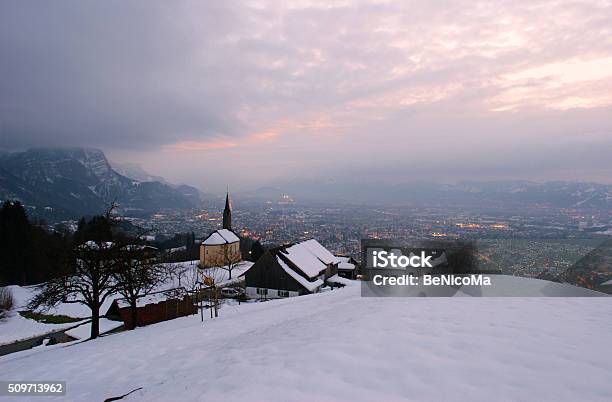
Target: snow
point(311, 286)
point(95, 246)
point(220, 275)
point(305, 260)
point(215, 239)
point(154, 298)
point(23, 294)
point(511, 286)
point(228, 235)
point(346, 266)
point(221, 236)
point(343, 263)
point(320, 252)
point(84, 331)
point(16, 328)
point(342, 281)
point(339, 346)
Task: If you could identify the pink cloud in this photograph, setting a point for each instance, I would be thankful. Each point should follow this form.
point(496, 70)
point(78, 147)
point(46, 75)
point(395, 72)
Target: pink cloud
point(203, 145)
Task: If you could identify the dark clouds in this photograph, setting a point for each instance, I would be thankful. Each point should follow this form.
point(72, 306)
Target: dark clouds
point(108, 74)
point(488, 88)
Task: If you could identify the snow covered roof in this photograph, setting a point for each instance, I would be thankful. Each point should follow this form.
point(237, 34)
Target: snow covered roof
point(310, 257)
point(346, 266)
point(343, 263)
point(221, 236)
point(311, 286)
point(228, 235)
point(320, 252)
point(154, 298)
point(214, 239)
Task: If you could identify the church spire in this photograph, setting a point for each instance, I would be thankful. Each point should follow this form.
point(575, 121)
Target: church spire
point(227, 214)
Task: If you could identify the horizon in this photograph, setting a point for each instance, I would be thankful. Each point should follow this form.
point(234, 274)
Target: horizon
point(116, 166)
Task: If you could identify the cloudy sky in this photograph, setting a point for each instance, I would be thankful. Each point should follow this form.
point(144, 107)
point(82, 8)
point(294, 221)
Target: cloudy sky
point(252, 93)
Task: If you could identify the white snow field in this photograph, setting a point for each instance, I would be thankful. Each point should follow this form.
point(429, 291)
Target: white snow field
point(15, 327)
point(338, 346)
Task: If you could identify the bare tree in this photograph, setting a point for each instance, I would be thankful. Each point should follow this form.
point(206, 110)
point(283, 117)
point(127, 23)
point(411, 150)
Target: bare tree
point(228, 261)
point(213, 277)
point(138, 273)
point(91, 284)
point(189, 277)
point(193, 278)
point(92, 281)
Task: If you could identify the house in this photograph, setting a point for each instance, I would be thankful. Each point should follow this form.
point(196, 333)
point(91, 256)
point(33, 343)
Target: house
point(221, 247)
point(155, 307)
point(290, 270)
point(347, 267)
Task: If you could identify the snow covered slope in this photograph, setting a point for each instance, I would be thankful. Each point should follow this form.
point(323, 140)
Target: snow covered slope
point(339, 346)
point(16, 328)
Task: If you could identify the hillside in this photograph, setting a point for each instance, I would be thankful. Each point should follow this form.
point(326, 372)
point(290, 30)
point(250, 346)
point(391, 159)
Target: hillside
point(339, 346)
point(16, 328)
point(71, 182)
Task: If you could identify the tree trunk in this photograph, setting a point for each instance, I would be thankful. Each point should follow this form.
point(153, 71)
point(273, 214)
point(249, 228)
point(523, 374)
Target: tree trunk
point(134, 311)
point(95, 322)
point(216, 304)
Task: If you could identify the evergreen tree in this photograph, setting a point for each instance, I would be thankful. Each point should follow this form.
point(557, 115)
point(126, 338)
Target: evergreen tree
point(15, 244)
point(257, 250)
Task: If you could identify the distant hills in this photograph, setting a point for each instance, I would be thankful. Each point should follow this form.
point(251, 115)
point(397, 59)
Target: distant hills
point(58, 183)
point(71, 182)
point(499, 194)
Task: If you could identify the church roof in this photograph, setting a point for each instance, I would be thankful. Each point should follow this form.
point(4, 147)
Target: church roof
point(221, 236)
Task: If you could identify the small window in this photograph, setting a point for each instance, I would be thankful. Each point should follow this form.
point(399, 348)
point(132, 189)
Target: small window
point(283, 293)
point(262, 292)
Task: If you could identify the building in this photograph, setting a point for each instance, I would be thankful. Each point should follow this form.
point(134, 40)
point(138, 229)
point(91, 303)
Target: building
point(155, 307)
point(347, 267)
point(221, 247)
point(291, 270)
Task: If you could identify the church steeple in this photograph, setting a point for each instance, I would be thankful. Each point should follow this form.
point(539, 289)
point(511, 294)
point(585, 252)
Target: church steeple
point(227, 214)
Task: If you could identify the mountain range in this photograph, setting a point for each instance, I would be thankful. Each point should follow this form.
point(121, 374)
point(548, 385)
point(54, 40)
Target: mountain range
point(71, 182)
point(498, 194)
point(58, 183)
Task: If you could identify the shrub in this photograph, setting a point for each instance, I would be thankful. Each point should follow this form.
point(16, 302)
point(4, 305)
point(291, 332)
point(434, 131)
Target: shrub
point(6, 302)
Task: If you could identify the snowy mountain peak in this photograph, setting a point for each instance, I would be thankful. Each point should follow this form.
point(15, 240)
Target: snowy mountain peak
point(77, 181)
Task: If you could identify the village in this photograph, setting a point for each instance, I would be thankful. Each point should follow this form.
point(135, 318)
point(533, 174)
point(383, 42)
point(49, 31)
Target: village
point(220, 278)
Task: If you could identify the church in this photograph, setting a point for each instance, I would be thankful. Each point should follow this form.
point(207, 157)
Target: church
point(221, 247)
